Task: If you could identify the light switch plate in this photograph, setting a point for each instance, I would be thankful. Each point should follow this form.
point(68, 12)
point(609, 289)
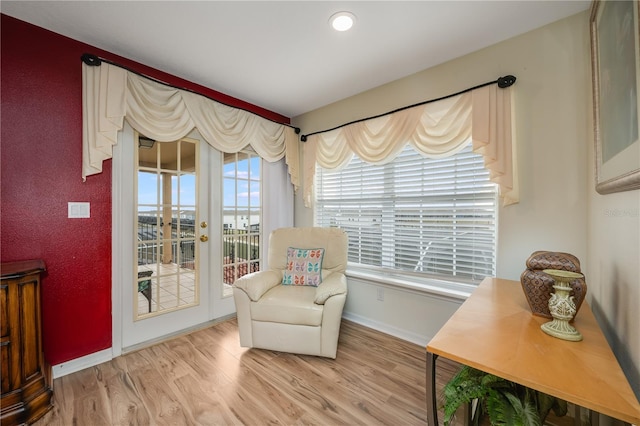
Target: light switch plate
point(79, 210)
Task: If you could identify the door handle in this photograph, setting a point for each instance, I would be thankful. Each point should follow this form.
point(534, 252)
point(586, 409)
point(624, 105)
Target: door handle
point(204, 238)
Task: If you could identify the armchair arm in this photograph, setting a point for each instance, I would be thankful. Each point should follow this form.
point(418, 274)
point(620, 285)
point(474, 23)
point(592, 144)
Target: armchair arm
point(331, 285)
point(258, 283)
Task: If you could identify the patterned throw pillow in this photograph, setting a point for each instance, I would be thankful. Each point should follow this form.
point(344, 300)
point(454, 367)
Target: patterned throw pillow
point(304, 267)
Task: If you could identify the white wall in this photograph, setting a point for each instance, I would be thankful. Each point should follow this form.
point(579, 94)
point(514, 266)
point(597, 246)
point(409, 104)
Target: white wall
point(614, 271)
point(559, 209)
point(403, 313)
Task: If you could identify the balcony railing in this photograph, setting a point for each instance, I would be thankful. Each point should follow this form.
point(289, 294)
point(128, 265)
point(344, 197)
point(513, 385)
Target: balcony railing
point(241, 248)
point(151, 245)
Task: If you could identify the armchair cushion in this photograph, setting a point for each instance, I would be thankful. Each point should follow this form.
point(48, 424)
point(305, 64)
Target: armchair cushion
point(304, 267)
point(288, 305)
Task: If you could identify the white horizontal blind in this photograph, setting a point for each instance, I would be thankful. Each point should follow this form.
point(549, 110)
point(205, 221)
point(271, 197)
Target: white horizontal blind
point(418, 215)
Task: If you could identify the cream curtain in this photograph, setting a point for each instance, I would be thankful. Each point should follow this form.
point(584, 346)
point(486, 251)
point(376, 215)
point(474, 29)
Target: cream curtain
point(436, 129)
point(110, 94)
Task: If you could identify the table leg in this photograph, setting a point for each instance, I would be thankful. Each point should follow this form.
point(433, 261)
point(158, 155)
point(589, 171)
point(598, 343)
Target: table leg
point(432, 400)
point(468, 413)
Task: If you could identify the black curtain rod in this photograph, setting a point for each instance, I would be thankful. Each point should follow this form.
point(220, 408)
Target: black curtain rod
point(502, 82)
point(96, 61)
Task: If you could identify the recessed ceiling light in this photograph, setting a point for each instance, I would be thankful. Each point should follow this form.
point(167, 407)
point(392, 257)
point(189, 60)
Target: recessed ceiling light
point(342, 21)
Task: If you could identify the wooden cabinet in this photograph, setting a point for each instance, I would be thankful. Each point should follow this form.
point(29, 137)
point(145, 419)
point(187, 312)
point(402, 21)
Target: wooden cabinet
point(25, 376)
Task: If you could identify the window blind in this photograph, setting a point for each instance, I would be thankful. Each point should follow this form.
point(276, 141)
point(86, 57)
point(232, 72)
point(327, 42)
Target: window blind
point(427, 216)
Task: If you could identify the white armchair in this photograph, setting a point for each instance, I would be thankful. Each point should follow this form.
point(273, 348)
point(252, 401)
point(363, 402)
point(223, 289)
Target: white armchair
point(303, 319)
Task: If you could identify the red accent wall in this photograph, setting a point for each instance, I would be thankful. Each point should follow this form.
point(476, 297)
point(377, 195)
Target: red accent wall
point(41, 164)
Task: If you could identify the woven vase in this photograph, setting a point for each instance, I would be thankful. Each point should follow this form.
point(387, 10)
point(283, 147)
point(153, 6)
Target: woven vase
point(538, 286)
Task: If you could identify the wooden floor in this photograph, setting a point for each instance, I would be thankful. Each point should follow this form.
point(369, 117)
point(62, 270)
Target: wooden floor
point(206, 378)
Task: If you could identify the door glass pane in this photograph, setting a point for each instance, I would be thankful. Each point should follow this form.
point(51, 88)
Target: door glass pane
point(188, 191)
point(229, 186)
point(254, 169)
point(168, 155)
point(167, 275)
point(188, 156)
point(242, 196)
point(175, 190)
point(147, 153)
point(147, 188)
point(241, 216)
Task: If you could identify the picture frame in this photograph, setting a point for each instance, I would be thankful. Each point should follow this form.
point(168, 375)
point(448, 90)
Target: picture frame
point(615, 66)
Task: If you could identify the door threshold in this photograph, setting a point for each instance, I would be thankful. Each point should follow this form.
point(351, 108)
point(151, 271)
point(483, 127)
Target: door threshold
point(173, 335)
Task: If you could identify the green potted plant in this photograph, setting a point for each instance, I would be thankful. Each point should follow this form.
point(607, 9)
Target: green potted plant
point(505, 402)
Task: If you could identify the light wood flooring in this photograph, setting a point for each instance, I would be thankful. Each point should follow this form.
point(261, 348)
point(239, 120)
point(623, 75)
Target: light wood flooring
point(206, 378)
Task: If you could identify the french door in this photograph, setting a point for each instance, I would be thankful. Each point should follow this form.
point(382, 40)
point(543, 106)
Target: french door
point(167, 239)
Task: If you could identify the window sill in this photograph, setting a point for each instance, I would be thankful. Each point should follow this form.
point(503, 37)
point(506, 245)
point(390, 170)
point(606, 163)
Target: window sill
point(441, 288)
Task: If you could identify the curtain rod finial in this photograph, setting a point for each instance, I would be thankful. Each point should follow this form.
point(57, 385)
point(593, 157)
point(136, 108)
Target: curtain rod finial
point(91, 60)
point(297, 130)
point(303, 138)
point(506, 81)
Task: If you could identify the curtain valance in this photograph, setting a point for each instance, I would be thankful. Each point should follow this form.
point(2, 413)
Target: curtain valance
point(481, 116)
point(110, 94)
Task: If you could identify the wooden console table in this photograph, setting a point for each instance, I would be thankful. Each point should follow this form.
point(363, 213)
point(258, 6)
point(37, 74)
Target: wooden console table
point(495, 331)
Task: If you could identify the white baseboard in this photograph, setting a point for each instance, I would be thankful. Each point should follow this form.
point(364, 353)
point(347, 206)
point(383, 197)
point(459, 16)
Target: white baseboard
point(81, 363)
point(409, 336)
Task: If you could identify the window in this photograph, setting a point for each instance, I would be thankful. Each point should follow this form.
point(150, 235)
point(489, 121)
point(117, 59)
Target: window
point(166, 213)
point(434, 217)
point(242, 216)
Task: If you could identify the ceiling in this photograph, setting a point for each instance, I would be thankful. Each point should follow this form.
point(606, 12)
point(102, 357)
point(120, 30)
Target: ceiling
point(283, 56)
